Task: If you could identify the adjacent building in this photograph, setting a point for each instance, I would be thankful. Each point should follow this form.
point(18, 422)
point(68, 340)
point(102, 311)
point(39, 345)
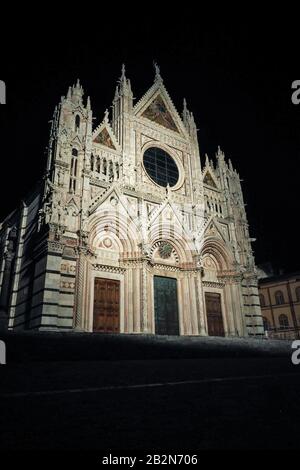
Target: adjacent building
point(280, 304)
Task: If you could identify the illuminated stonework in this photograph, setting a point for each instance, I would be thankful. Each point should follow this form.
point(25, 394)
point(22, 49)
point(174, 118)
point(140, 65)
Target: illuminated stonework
point(130, 231)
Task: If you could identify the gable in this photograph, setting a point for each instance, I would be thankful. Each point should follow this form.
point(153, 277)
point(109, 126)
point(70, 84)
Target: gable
point(157, 112)
point(105, 139)
point(215, 230)
point(208, 179)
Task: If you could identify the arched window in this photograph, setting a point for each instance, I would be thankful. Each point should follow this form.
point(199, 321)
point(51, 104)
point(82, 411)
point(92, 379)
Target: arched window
point(111, 171)
point(267, 325)
point(297, 294)
point(104, 167)
point(73, 170)
point(283, 321)
point(98, 165)
point(92, 162)
point(77, 122)
point(279, 299)
point(262, 300)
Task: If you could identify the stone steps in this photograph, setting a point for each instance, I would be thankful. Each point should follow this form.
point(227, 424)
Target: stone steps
point(71, 346)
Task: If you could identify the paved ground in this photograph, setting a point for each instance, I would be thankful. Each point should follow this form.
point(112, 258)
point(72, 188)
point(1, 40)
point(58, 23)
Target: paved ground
point(236, 402)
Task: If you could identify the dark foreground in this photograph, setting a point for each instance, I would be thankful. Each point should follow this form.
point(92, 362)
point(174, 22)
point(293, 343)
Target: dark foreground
point(223, 401)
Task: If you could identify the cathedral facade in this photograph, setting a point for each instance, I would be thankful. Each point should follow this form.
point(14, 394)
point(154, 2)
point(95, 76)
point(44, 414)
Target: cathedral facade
point(128, 232)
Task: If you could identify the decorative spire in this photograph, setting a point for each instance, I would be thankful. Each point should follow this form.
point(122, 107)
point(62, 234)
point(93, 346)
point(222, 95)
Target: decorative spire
point(88, 103)
point(117, 95)
point(106, 114)
point(220, 153)
point(185, 112)
point(122, 80)
point(77, 93)
point(123, 73)
point(157, 72)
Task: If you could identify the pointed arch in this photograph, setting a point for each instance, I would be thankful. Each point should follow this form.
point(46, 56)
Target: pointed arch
point(115, 223)
point(219, 251)
point(77, 122)
point(184, 246)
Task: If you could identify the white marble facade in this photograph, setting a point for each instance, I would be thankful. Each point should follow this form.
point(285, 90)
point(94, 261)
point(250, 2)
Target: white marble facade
point(100, 214)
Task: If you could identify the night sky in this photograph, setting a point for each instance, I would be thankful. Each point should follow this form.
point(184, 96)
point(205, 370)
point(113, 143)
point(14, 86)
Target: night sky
point(237, 81)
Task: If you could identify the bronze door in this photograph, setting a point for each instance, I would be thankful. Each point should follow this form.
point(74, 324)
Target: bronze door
point(214, 314)
point(106, 306)
point(165, 306)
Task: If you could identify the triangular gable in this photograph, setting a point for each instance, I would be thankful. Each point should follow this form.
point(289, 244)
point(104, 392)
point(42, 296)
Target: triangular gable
point(157, 106)
point(158, 112)
point(72, 202)
point(115, 197)
point(112, 194)
point(209, 180)
point(213, 230)
point(100, 198)
point(76, 140)
point(167, 207)
point(104, 138)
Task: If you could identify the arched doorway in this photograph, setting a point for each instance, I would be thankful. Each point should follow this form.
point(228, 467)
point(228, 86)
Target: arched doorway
point(215, 326)
point(166, 306)
point(217, 260)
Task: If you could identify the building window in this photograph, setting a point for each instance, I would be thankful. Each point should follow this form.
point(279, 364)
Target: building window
point(283, 322)
point(73, 171)
point(267, 325)
point(262, 300)
point(279, 299)
point(92, 162)
point(77, 122)
point(297, 294)
point(111, 171)
point(160, 167)
point(98, 165)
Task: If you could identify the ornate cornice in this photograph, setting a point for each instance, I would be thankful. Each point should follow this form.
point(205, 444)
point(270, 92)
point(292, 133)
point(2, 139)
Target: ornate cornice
point(108, 269)
point(55, 246)
point(216, 285)
point(230, 277)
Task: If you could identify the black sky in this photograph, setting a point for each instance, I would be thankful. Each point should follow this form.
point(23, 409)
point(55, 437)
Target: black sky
point(236, 80)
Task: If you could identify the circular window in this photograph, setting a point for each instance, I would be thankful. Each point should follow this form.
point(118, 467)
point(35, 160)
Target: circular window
point(160, 167)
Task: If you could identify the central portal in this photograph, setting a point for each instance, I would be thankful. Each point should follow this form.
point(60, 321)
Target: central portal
point(106, 306)
point(166, 306)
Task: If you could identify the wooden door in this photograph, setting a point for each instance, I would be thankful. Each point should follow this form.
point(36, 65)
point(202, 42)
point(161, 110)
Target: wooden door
point(106, 306)
point(165, 306)
point(214, 314)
